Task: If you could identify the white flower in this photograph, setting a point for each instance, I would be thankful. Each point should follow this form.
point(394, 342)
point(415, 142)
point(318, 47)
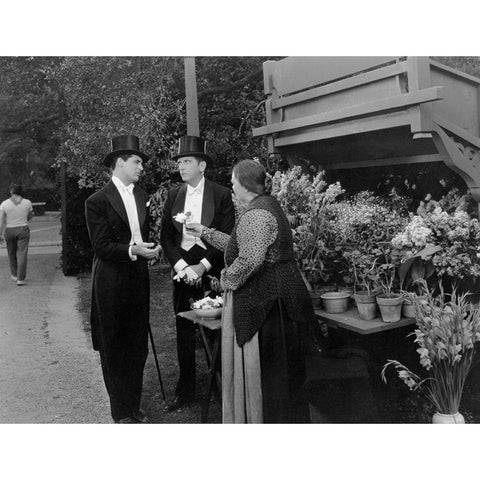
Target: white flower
point(182, 217)
point(208, 302)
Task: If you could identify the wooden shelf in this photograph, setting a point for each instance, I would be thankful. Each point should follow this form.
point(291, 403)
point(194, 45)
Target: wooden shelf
point(350, 320)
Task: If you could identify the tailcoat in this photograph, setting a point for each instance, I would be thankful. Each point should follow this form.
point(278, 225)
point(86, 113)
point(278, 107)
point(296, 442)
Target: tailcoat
point(120, 297)
point(217, 212)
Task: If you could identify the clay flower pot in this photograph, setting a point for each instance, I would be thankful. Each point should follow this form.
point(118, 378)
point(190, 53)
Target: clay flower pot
point(390, 307)
point(366, 305)
point(335, 302)
point(408, 310)
point(316, 295)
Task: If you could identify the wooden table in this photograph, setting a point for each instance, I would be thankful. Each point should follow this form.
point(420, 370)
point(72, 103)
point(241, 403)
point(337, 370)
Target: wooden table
point(212, 352)
point(350, 320)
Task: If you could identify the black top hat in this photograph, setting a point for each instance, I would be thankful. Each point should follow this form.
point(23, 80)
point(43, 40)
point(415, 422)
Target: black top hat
point(190, 146)
point(124, 144)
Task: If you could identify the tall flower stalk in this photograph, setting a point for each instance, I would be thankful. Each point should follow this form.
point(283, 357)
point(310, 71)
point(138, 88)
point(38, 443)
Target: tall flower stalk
point(446, 334)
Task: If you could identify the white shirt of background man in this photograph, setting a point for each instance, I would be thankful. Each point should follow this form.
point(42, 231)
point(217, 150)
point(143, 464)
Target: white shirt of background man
point(126, 192)
point(193, 204)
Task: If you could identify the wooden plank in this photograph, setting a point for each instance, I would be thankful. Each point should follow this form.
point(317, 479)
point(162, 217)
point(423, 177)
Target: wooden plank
point(399, 101)
point(350, 320)
point(419, 79)
point(455, 73)
point(293, 74)
point(351, 82)
point(478, 109)
point(461, 132)
point(459, 106)
point(268, 69)
point(351, 127)
point(385, 162)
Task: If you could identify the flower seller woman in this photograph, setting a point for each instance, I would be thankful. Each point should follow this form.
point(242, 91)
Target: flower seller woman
point(267, 315)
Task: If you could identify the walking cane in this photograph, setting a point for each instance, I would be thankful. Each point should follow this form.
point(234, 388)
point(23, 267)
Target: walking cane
point(156, 361)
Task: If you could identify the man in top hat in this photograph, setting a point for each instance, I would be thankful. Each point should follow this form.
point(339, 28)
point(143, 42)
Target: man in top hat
point(118, 225)
point(192, 259)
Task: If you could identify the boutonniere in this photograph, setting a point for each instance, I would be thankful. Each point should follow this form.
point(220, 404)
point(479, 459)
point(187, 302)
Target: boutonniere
point(182, 217)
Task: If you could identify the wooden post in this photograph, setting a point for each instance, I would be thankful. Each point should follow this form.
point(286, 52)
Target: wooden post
point(63, 198)
point(193, 127)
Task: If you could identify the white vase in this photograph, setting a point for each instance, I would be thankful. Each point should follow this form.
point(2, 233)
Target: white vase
point(447, 418)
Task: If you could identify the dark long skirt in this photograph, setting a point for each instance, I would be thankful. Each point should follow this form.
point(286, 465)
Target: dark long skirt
point(261, 380)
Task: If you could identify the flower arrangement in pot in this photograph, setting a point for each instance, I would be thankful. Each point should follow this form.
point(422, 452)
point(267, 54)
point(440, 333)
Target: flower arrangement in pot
point(446, 334)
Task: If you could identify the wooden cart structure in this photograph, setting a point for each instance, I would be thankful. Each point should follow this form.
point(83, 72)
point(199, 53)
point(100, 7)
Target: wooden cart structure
point(350, 112)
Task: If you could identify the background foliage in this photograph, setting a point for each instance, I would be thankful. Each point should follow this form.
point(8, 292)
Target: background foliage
point(65, 109)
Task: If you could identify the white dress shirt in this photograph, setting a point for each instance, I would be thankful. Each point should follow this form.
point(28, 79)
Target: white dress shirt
point(193, 204)
point(126, 192)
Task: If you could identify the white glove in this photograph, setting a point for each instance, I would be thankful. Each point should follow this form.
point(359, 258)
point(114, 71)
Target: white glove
point(191, 275)
point(179, 276)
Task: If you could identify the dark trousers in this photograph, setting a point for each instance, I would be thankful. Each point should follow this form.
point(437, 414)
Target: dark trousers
point(186, 330)
point(123, 374)
point(122, 333)
point(17, 239)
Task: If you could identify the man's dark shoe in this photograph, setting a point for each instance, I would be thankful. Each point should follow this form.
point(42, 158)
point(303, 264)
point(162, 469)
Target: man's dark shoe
point(128, 420)
point(178, 402)
point(141, 416)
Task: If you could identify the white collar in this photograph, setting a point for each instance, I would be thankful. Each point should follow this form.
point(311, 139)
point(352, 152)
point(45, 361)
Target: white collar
point(121, 186)
point(198, 189)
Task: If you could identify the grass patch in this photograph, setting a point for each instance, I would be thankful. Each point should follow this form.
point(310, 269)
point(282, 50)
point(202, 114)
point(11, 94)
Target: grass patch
point(162, 322)
point(395, 404)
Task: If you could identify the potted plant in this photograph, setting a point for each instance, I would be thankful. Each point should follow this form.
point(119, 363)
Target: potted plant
point(413, 268)
point(413, 245)
point(365, 282)
point(446, 334)
point(336, 302)
point(361, 224)
point(389, 301)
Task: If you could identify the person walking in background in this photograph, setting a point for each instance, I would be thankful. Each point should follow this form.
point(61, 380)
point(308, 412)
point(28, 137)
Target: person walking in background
point(267, 320)
point(118, 225)
point(15, 214)
point(202, 201)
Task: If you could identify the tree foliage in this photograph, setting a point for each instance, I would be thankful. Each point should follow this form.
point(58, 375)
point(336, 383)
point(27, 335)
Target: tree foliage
point(29, 113)
point(57, 110)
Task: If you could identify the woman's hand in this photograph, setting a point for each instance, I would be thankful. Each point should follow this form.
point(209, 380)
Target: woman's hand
point(194, 229)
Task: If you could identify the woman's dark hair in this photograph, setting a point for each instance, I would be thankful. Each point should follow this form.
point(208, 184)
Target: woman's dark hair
point(16, 189)
point(252, 176)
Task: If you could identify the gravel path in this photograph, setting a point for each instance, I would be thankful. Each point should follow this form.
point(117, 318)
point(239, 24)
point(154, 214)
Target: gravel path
point(49, 372)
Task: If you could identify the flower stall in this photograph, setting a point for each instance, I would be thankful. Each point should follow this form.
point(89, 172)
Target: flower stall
point(337, 113)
